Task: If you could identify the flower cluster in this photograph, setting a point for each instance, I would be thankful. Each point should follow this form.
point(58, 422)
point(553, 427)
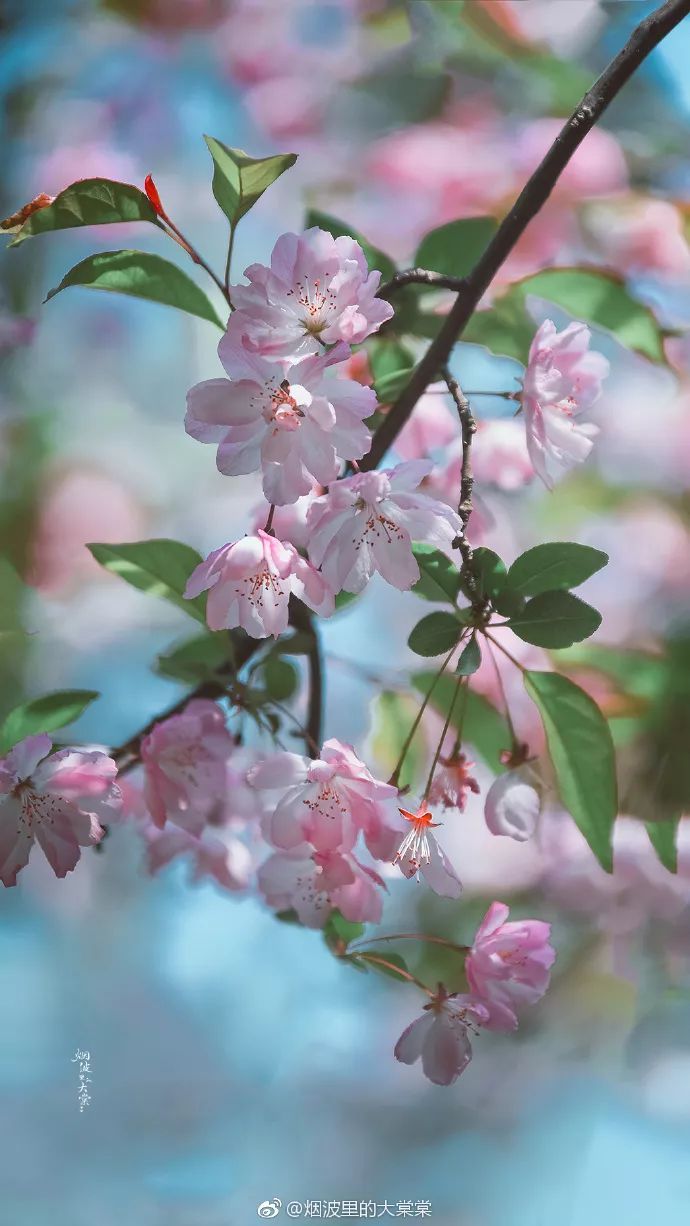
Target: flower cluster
point(288, 410)
point(321, 808)
point(194, 800)
point(507, 967)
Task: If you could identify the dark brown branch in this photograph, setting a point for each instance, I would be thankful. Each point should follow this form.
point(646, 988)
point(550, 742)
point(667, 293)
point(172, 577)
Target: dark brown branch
point(420, 276)
point(468, 429)
point(314, 729)
point(647, 35)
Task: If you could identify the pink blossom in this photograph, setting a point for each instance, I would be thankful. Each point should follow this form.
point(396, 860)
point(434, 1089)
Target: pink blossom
point(218, 855)
point(368, 522)
point(431, 425)
point(251, 582)
point(562, 380)
point(430, 161)
point(420, 853)
point(499, 455)
point(512, 806)
point(314, 882)
point(185, 765)
point(642, 235)
point(56, 798)
point(292, 422)
point(508, 965)
point(317, 290)
point(453, 782)
point(325, 801)
point(440, 1037)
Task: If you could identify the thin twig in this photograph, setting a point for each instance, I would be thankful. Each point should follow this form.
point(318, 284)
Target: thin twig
point(420, 276)
point(647, 35)
point(468, 429)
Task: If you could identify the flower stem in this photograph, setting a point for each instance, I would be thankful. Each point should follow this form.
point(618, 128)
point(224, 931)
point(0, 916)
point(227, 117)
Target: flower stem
point(410, 936)
point(505, 651)
point(397, 969)
point(417, 720)
point(439, 747)
point(502, 688)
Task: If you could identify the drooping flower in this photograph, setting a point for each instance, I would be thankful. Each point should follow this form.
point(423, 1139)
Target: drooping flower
point(314, 882)
point(185, 760)
point(562, 380)
point(291, 421)
point(55, 799)
point(509, 965)
point(317, 290)
point(512, 806)
point(368, 522)
point(441, 1036)
point(250, 583)
point(420, 853)
point(452, 782)
point(325, 801)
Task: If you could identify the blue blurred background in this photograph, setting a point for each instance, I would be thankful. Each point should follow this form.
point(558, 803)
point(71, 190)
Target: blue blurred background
point(233, 1059)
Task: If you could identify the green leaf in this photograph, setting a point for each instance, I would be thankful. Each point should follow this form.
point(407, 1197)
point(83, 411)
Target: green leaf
point(389, 387)
point(557, 564)
point(90, 202)
point(394, 960)
point(483, 726)
point(582, 753)
point(140, 275)
point(388, 356)
point(555, 619)
point(392, 717)
point(160, 567)
point(196, 660)
point(44, 714)
point(239, 180)
point(505, 328)
point(602, 298)
point(439, 578)
point(662, 836)
point(434, 634)
point(337, 930)
point(490, 571)
point(470, 658)
point(375, 258)
point(344, 599)
point(280, 677)
point(454, 248)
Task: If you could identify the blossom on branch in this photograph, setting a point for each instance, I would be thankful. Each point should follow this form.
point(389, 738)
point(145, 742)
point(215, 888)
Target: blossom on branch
point(441, 1036)
point(250, 582)
point(368, 522)
point(185, 766)
point(509, 965)
point(291, 421)
point(55, 799)
point(318, 290)
point(512, 806)
point(562, 380)
point(314, 882)
point(420, 853)
point(326, 801)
